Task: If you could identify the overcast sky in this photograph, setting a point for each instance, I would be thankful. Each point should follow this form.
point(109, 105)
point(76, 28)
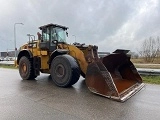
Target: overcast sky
point(110, 24)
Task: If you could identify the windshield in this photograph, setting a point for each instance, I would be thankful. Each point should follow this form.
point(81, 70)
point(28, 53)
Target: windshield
point(58, 34)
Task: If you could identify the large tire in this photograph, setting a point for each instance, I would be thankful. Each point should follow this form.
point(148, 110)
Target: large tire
point(64, 71)
point(26, 69)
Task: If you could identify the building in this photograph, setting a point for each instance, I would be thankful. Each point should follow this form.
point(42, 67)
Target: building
point(5, 54)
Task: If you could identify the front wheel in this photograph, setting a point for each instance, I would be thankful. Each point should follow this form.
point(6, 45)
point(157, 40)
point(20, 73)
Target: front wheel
point(26, 69)
point(64, 70)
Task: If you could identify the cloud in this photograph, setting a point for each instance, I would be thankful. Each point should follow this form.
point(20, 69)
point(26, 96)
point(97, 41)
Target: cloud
point(142, 23)
point(108, 24)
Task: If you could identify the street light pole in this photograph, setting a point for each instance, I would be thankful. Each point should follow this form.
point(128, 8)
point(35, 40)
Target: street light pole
point(75, 37)
point(15, 52)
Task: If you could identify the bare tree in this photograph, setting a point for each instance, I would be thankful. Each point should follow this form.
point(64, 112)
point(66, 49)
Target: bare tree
point(150, 49)
point(158, 45)
point(134, 55)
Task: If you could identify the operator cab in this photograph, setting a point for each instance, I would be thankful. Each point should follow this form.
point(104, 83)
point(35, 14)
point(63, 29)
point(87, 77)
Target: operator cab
point(52, 34)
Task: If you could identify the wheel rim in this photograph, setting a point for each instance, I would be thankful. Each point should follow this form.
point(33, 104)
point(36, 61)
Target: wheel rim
point(59, 70)
point(24, 68)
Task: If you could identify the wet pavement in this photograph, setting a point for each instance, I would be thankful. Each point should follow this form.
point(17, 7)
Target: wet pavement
point(40, 99)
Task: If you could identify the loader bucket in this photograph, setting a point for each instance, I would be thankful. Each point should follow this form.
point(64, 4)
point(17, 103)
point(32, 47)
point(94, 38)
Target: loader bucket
point(114, 77)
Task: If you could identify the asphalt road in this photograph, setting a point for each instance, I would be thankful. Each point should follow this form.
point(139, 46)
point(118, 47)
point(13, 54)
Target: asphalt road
point(40, 99)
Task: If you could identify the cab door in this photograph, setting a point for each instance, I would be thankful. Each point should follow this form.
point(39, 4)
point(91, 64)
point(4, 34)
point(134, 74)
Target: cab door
point(47, 43)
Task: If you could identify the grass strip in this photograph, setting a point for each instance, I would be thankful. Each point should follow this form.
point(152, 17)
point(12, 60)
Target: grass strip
point(7, 66)
point(151, 79)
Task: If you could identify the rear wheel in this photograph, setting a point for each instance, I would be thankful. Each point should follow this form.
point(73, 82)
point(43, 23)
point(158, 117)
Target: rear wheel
point(26, 69)
point(64, 71)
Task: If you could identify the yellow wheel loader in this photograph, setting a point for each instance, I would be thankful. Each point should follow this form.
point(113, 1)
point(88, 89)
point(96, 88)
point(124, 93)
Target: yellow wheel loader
point(113, 76)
